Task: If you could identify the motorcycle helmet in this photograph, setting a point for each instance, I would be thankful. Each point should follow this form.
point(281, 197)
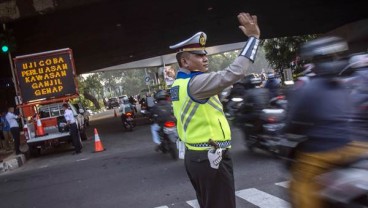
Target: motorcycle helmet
point(125, 100)
point(250, 81)
point(270, 75)
point(358, 61)
point(161, 95)
point(327, 55)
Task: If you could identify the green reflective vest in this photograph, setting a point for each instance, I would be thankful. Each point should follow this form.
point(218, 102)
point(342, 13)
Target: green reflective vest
point(198, 122)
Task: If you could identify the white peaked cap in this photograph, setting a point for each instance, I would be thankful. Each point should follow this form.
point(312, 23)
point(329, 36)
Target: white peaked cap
point(195, 44)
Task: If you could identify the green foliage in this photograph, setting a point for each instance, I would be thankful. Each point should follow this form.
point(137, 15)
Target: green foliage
point(281, 51)
point(90, 84)
point(133, 82)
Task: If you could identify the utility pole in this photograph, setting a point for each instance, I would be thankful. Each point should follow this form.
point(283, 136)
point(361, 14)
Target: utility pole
point(13, 72)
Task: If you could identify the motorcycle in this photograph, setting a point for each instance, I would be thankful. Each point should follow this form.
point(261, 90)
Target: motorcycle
point(146, 114)
point(266, 131)
point(232, 107)
point(169, 137)
point(128, 121)
point(279, 102)
point(345, 186)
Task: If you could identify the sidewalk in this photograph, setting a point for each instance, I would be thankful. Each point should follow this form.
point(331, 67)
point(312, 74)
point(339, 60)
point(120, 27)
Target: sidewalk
point(10, 161)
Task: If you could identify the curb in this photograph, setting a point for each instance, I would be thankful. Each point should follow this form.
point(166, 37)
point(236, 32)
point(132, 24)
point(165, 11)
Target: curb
point(12, 162)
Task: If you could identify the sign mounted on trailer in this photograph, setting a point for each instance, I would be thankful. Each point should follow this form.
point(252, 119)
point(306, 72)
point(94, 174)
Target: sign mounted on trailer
point(46, 75)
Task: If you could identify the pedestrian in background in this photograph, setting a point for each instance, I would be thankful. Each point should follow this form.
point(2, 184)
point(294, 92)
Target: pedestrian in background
point(201, 122)
point(8, 140)
point(2, 137)
point(73, 129)
point(12, 119)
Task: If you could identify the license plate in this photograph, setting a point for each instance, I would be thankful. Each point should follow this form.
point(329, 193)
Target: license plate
point(129, 119)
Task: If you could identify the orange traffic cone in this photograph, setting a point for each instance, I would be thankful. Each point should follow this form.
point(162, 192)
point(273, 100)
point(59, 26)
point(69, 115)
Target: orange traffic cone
point(115, 115)
point(98, 144)
point(39, 128)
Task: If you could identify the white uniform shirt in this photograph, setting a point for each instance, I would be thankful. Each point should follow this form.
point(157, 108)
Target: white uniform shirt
point(12, 119)
point(209, 84)
point(69, 116)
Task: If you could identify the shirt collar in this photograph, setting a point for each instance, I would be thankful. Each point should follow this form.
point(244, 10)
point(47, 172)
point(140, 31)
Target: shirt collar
point(185, 73)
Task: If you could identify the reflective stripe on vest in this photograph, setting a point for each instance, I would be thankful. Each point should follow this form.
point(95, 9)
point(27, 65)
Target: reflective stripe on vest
point(199, 122)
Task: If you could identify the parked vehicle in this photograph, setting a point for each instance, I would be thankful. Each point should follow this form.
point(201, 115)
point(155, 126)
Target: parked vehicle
point(169, 136)
point(112, 102)
point(45, 81)
point(83, 111)
point(53, 123)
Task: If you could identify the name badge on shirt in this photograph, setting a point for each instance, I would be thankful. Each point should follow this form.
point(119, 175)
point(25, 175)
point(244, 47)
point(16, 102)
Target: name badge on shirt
point(174, 92)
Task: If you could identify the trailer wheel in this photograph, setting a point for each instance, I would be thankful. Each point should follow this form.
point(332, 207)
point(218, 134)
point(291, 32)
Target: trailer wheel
point(83, 135)
point(34, 151)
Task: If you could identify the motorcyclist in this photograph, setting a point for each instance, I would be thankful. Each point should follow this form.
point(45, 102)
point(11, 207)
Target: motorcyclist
point(133, 102)
point(273, 84)
point(124, 108)
point(357, 82)
point(320, 111)
point(161, 112)
point(307, 74)
point(255, 99)
point(237, 91)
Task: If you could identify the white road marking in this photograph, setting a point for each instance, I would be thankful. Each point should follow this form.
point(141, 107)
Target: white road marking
point(82, 159)
point(262, 199)
point(256, 197)
point(284, 184)
point(193, 203)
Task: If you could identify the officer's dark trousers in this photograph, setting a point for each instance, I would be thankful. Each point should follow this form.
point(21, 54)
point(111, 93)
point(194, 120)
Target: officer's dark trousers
point(16, 136)
point(75, 137)
point(214, 187)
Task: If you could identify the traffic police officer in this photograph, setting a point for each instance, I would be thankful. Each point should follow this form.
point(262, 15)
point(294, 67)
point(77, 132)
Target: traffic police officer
point(73, 128)
point(201, 122)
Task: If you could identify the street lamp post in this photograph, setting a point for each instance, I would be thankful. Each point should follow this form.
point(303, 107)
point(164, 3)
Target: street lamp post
point(12, 71)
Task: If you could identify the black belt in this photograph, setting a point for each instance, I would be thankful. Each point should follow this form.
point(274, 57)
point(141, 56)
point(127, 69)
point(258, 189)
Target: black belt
point(202, 154)
point(221, 144)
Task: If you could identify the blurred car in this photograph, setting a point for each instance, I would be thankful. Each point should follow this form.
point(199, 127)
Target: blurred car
point(90, 112)
point(112, 102)
point(84, 111)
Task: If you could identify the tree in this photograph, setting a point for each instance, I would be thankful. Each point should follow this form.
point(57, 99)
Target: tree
point(281, 51)
point(133, 81)
point(91, 89)
point(112, 81)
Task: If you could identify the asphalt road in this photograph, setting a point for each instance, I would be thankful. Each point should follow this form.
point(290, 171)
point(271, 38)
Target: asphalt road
point(130, 174)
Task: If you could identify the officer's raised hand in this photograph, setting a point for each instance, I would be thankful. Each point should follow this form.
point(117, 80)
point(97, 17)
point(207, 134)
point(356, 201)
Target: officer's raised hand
point(249, 25)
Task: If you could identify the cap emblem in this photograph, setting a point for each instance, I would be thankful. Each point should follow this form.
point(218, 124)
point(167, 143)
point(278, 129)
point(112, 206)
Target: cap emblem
point(202, 40)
